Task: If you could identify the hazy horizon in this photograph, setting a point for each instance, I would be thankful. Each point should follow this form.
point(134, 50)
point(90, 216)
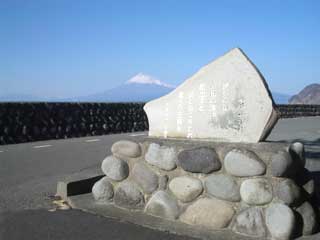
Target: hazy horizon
point(140, 88)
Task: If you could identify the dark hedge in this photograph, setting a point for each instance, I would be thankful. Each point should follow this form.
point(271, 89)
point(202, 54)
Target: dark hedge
point(24, 122)
point(298, 110)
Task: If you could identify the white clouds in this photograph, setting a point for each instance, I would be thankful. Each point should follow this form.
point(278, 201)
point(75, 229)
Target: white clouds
point(146, 79)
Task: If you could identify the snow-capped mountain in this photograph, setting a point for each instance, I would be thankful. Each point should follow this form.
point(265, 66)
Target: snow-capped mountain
point(140, 88)
point(143, 88)
point(146, 79)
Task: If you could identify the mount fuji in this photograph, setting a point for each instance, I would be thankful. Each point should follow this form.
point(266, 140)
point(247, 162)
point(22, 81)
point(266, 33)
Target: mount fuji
point(140, 88)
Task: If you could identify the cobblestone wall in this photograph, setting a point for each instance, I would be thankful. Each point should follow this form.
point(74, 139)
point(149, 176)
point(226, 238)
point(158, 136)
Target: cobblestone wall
point(256, 190)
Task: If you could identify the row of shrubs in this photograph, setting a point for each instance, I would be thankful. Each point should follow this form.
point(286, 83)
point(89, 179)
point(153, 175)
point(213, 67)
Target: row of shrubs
point(24, 122)
point(298, 110)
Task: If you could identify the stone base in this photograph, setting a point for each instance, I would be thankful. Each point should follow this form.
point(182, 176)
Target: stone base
point(256, 190)
point(86, 203)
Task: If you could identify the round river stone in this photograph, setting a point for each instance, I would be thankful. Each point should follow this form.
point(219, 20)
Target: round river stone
point(309, 218)
point(223, 187)
point(250, 222)
point(145, 177)
point(185, 188)
point(199, 160)
point(161, 204)
point(115, 168)
point(209, 213)
point(102, 190)
point(161, 156)
point(280, 221)
point(243, 163)
point(288, 192)
point(126, 148)
point(256, 191)
point(281, 164)
point(129, 196)
point(298, 154)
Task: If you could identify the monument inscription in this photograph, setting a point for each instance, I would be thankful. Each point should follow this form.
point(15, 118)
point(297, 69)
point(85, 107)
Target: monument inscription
point(226, 100)
point(197, 182)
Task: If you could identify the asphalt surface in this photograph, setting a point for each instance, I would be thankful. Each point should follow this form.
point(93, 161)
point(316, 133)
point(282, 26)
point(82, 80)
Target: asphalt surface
point(306, 130)
point(77, 225)
point(29, 173)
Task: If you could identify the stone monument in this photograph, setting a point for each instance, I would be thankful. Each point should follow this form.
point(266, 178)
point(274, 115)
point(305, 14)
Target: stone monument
point(204, 163)
point(226, 100)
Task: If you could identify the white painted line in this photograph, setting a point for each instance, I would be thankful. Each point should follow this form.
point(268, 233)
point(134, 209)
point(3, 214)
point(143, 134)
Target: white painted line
point(1, 151)
point(93, 140)
point(138, 134)
point(42, 146)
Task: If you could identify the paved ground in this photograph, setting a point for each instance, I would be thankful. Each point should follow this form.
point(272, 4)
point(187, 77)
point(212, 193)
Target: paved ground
point(306, 130)
point(29, 173)
point(74, 225)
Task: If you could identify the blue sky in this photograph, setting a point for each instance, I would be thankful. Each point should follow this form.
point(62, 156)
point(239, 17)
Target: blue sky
point(59, 48)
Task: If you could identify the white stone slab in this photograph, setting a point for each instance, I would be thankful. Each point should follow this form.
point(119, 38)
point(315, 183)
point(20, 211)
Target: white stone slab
point(226, 100)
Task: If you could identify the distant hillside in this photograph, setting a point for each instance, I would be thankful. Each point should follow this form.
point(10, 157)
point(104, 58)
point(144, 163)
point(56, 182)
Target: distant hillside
point(309, 95)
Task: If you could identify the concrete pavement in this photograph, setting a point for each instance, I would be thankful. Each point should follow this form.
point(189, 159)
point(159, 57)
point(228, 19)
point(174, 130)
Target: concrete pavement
point(73, 225)
point(306, 130)
point(29, 173)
